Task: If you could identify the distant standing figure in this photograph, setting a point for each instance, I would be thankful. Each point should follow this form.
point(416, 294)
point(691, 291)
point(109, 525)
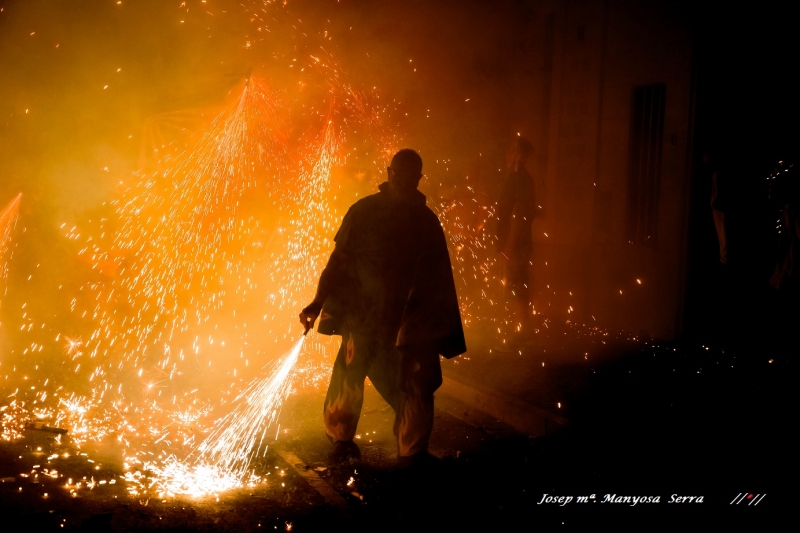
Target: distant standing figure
point(719, 206)
point(516, 211)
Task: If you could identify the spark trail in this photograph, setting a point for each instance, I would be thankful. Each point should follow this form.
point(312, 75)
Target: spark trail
point(8, 219)
point(222, 461)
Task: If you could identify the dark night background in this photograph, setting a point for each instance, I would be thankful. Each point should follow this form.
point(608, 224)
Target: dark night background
point(746, 120)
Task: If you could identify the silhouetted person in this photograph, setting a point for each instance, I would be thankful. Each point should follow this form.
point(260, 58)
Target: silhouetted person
point(515, 212)
point(719, 206)
point(388, 290)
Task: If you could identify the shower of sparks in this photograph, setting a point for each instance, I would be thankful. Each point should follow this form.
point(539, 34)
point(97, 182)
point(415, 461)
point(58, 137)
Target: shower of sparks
point(187, 287)
point(8, 219)
point(222, 461)
point(191, 286)
point(178, 234)
point(304, 256)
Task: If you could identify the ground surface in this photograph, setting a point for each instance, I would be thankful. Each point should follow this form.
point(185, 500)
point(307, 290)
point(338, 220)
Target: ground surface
point(645, 419)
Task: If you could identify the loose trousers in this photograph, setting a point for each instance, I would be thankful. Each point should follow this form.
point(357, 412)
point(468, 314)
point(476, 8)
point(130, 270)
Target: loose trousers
point(405, 379)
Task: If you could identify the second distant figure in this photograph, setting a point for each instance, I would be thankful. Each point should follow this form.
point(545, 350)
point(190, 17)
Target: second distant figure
point(515, 212)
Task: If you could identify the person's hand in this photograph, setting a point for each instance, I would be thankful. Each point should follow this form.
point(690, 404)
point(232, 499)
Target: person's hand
point(309, 315)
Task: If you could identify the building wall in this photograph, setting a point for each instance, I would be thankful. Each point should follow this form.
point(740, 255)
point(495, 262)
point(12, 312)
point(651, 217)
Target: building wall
point(601, 50)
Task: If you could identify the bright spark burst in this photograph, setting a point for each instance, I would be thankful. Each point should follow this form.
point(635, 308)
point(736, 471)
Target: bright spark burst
point(222, 461)
point(72, 346)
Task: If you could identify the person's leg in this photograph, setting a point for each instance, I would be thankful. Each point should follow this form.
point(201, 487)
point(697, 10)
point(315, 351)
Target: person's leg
point(384, 373)
point(346, 390)
point(420, 376)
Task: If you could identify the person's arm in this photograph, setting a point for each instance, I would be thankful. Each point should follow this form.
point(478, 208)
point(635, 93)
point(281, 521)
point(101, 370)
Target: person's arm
point(327, 280)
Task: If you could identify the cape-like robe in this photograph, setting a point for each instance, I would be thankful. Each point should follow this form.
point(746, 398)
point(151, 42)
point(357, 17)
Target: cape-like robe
point(397, 280)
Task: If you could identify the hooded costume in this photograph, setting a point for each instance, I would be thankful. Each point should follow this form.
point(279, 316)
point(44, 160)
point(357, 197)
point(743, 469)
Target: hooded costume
point(394, 303)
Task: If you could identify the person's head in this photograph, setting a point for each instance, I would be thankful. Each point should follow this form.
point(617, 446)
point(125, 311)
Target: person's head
point(518, 153)
point(405, 170)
